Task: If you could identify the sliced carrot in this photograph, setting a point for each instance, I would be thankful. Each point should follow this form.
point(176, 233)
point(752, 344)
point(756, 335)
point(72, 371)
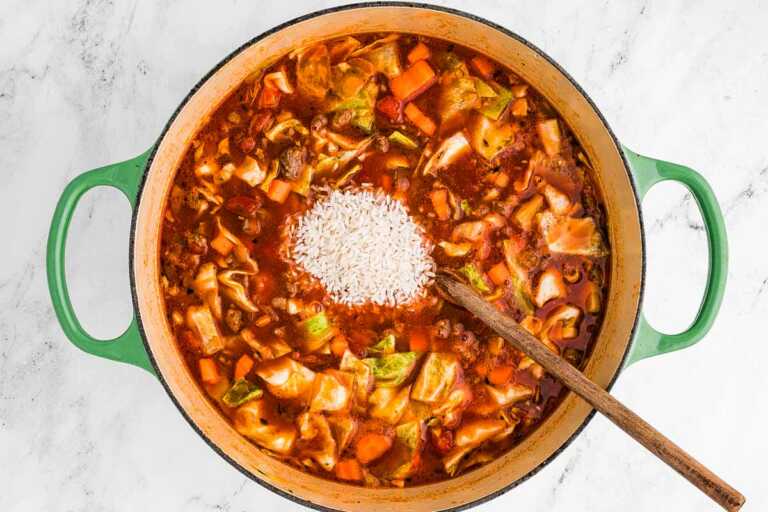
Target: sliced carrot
point(269, 97)
point(500, 375)
point(209, 371)
point(485, 67)
point(418, 340)
point(390, 107)
point(371, 446)
point(413, 81)
point(499, 273)
point(349, 469)
point(339, 345)
point(279, 191)
point(243, 366)
point(386, 182)
point(520, 107)
point(419, 119)
point(419, 52)
point(481, 369)
point(439, 199)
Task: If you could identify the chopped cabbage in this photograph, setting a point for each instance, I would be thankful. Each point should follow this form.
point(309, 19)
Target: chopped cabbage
point(258, 421)
point(286, 378)
point(437, 378)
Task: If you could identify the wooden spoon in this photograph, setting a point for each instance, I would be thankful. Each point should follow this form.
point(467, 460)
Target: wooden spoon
point(708, 482)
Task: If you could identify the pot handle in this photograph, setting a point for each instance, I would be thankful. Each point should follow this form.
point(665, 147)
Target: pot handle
point(647, 172)
point(124, 176)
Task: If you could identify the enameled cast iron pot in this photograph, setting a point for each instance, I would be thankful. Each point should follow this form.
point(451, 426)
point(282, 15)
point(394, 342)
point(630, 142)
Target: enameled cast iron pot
point(622, 176)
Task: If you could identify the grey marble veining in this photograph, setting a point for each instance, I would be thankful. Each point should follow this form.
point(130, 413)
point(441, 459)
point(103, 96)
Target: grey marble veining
point(86, 82)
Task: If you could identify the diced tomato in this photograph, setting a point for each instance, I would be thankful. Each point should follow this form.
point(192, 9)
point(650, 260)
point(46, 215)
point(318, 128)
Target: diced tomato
point(391, 107)
point(269, 97)
point(500, 375)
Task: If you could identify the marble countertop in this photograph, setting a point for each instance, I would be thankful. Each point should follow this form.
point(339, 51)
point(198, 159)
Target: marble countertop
point(87, 82)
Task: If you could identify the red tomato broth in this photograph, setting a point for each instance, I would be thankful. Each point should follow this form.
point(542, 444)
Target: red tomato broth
point(278, 279)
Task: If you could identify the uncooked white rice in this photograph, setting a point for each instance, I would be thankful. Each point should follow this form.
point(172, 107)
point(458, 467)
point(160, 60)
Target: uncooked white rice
point(364, 248)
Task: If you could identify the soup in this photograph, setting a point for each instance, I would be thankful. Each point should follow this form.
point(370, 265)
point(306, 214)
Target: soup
point(305, 224)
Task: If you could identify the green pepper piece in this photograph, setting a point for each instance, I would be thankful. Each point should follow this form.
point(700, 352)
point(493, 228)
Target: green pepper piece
point(400, 138)
point(475, 277)
point(241, 391)
point(494, 107)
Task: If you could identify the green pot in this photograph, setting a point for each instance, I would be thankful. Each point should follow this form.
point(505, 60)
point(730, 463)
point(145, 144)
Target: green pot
point(623, 176)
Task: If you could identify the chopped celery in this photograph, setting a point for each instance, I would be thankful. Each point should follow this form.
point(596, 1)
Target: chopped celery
point(344, 179)
point(494, 107)
point(484, 90)
point(475, 277)
point(464, 205)
point(400, 138)
point(241, 391)
point(385, 346)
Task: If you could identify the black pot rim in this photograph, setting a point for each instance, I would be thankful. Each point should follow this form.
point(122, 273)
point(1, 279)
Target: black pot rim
point(276, 29)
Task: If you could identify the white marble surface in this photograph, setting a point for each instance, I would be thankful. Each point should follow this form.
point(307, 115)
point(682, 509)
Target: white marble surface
point(87, 82)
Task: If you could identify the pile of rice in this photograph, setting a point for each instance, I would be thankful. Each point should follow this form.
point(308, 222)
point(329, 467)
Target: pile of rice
point(364, 248)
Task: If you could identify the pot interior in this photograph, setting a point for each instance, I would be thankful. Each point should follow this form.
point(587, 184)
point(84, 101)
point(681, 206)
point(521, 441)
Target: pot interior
point(610, 175)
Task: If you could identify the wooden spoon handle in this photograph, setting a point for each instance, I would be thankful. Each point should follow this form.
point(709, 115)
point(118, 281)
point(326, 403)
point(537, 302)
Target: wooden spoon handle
point(712, 485)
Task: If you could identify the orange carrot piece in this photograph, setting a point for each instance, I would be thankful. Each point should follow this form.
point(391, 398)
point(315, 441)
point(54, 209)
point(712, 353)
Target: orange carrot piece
point(520, 107)
point(418, 340)
point(209, 371)
point(413, 81)
point(439, 199)
point(500, 375)
point(371, 446)
point(279, 191)
point(419, 52)
point(419, 119)
point(243, 366)
point(481, 369)
point(386, 182)
point(349, 469)
point(339, 345)
point(499, 273)
point(485, 67)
